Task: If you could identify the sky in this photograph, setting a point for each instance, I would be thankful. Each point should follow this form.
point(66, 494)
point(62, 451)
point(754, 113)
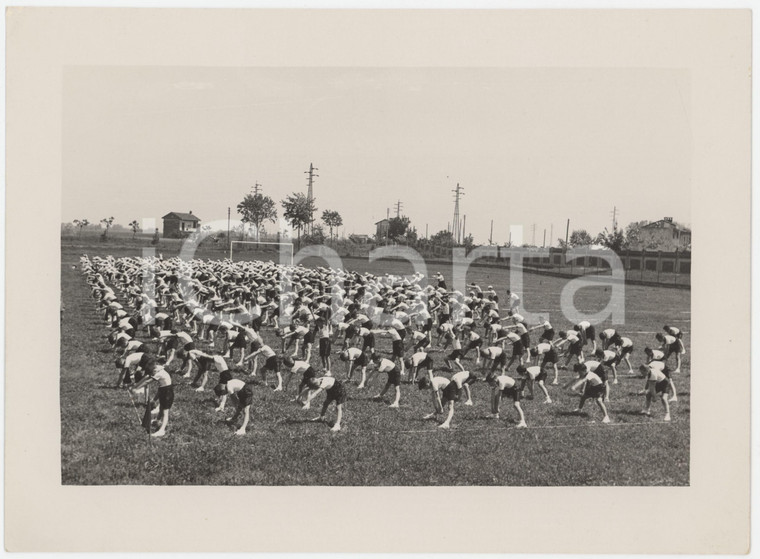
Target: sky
point(529, 146)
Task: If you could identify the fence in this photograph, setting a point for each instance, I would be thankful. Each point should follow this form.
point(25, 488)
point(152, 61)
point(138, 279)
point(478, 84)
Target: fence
point(646, 267)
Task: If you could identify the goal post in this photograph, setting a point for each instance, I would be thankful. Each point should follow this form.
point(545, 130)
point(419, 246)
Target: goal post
point(241, 247)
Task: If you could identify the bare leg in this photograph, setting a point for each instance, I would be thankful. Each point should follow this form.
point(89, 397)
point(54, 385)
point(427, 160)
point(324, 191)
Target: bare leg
point(542, 386)
point(469, 395)
point(447, 423)
point(246, 417)
point(338, 418)
point(522, 423)
point(666, 405)
point(398, 397)
point(164, 421)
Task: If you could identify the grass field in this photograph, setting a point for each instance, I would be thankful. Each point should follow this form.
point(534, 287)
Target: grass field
point(102, 442)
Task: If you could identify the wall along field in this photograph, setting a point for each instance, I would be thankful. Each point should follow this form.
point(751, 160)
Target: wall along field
point(102, 442)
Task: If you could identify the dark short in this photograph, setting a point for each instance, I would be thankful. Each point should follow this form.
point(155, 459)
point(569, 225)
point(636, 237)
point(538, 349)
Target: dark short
point(336, 393)
point(594, 391)
point(541, 376)
point(402, 333)
point(239, 342)
point(549, 357)
point(225, 377)
point(189, 346)
point(451, 393)
point(351, 331)
point(575, 348)
point(548, 335)
point(473, 344)
point(245, 396)
point(456, 354)
point(424, 342)
point(518, 348)
point(205, 363)
point(591, 333)
point(662, 387)
point(369, 341)
point(272, 364)
point(171, 343)
point(512, 392)
point(601, 372)
point(427, 363)
point(428, 326)
point(398, 348)
point(675, 347)
point(308, 374)
point(166, 397)
point(394, 377)
point(308, 338)
point(362, 360)
point(499, 360)
point(626, 351)
point(525, 340)
point(325, 346)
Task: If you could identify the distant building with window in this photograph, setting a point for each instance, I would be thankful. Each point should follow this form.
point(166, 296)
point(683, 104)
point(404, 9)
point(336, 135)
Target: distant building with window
point(178, 224)
point(667, 234)
point(382, 228)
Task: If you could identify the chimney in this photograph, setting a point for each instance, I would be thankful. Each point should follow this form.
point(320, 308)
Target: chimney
point(191, 212)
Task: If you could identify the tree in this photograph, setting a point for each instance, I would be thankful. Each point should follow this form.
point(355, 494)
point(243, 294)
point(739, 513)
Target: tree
point(332, 219)
point(615, 241)
point(315, 237)
point(468, 242)
point(107, 222)
point(633, 234)
point(135, 227)
point(443, 238)
point(81, 224)
point(256, 209)
point(298, 211)
point(580, 237)
point(411, 235)
point(397, 227)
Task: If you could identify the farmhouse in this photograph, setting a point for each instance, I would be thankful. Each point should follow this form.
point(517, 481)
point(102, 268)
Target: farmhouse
point(382, 228)
point(178, 224)
point(666, 233)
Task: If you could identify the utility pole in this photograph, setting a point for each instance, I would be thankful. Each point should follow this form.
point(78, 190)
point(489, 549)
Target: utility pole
point(310, 194)
point(229, 242)
point(533, 242)
point(399, 205)
point(567, 233)
point(464, 222)
point(490, 235)
point(455, 228)
point(544, 237)
point(426, 231)
point(256, 188)
point(551, 236)
point(614, 218)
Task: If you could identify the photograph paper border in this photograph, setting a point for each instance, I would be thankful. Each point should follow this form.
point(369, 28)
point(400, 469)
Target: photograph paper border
point(709, 516)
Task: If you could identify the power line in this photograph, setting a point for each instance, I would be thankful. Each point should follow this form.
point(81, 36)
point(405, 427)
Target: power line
point(455, 227)
point(310, 194)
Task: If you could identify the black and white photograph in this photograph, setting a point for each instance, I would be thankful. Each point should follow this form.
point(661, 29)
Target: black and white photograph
point(368, 266)
point(375, 276)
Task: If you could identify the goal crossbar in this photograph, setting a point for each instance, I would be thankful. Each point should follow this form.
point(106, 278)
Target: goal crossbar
point(263, 243)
